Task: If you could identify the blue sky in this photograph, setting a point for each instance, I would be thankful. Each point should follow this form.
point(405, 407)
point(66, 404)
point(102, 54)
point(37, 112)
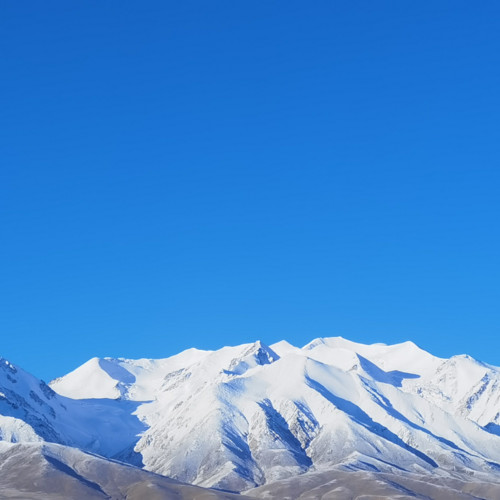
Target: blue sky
point(180, 174)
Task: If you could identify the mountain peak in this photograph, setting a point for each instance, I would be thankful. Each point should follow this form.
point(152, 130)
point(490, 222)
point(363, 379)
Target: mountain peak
point(245, 415)
point(251, 355)
point(96, 378)
point(283, 347)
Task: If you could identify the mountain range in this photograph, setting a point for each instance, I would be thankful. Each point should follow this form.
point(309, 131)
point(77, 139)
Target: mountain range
point(333, 419)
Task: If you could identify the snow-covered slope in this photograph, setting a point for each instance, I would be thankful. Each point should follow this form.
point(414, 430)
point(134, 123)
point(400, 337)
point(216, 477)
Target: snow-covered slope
point(250, 415)
point(30, 411)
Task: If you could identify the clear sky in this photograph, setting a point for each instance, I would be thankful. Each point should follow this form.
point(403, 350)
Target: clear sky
point(178, 174)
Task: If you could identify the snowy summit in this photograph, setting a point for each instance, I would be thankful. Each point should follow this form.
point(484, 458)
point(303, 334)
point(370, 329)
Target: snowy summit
point(247, 416)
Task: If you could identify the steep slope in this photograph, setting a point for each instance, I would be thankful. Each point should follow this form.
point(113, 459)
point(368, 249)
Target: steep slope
point(250, 415)
point(30, 411)
point(27, 406)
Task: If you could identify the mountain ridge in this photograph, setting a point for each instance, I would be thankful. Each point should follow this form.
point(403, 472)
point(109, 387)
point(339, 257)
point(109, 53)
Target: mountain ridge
point(250, 415)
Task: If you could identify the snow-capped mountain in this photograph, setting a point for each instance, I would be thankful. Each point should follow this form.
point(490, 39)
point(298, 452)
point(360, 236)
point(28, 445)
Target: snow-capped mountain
point(248, 415)
point(30, 411)
point(253, 415)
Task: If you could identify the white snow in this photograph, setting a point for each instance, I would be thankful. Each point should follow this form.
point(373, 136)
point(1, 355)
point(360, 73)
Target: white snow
point(246, 415)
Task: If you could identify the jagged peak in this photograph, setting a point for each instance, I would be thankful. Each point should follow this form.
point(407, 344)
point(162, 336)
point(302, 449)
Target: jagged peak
point(344, 392)
point(259, 348)
point(253, 354)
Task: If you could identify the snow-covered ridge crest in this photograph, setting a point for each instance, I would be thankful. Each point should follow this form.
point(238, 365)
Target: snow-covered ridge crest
point(248, 415)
